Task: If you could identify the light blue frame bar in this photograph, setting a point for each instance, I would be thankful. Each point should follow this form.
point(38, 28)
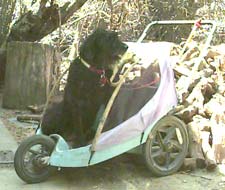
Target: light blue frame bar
point(63, 156)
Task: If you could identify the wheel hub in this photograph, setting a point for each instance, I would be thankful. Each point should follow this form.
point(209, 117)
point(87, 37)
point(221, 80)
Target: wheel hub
point(168, 146)
point(40, 161)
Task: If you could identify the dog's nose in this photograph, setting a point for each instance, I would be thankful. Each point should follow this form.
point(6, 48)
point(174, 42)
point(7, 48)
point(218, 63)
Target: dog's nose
point(125, 46)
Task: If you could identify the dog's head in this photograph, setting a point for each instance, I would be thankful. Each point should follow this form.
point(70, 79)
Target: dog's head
point(102, 48)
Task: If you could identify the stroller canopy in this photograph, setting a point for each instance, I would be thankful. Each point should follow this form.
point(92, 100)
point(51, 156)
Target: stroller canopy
point(144, 99)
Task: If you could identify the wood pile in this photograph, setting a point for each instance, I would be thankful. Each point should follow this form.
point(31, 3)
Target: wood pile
point(201, 94)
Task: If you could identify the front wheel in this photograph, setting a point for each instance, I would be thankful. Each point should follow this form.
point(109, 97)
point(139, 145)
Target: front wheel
point(31, 158)
point(166, 146)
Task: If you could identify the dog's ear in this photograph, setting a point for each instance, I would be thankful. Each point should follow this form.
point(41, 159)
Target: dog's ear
point(87, 49)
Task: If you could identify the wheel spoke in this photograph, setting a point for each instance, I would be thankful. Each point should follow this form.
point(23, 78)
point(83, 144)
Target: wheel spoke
point(28, 161)
point(168, 159)
point(160, 140)
point(156, 153)
point(170, 134)
point(35, 152)
point(174, 155)
point(176, 144)
point(44, 152)
point(155, 148)
point(155, 143)
point(28, 157)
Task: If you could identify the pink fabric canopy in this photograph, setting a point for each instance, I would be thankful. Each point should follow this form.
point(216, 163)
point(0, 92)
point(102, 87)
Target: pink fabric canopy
point(157, 106)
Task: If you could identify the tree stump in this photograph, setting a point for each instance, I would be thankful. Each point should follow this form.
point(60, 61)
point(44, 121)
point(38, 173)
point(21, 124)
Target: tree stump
point(2, 64)
point(31, 70)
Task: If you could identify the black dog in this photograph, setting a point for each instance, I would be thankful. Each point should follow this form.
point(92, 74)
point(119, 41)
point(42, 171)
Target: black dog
point(87, 88)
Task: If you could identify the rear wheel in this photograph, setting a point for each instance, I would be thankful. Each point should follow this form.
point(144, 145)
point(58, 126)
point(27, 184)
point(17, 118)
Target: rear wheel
point(31, 158)
point(167, 146)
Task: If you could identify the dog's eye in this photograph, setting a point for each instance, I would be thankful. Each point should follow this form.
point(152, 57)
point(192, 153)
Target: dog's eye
point(114, 35)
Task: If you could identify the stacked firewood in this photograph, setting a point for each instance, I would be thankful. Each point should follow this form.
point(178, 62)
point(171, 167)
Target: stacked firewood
point(200, 84)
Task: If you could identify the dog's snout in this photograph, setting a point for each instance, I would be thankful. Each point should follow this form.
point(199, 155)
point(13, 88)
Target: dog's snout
point(125, 46)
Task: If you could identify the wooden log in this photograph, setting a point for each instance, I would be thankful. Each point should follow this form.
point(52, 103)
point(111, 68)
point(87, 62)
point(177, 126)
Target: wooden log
point(218, 129)
point(218, 147)
point(185, 85)
point(215, 51)
point(196, 94)
point(36, 108)
point(189, 164)
point(30, 73)
point(222, 63)
point(176, 109)
point(189, 54)
point(195, 149)
point(211, 54)
point(216, 105)
point(208, 151)
point(24, 118)
point(180, 70)
point(175, 49)
point(207, 72)
point(203, 124)
point(196, 82)
point(182, 93)
point(201, 93)
point(187, 113)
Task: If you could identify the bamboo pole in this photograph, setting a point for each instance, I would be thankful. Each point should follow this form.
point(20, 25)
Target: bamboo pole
point(118, 85)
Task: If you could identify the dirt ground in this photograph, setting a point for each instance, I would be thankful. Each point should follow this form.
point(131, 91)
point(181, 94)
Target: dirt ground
point(124, 172)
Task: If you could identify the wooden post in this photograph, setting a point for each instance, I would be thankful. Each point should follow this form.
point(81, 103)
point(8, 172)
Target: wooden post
point(29, 74)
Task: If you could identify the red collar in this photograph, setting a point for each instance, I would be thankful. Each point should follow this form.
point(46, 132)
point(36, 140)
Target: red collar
point(103, 79)
point(97, 71)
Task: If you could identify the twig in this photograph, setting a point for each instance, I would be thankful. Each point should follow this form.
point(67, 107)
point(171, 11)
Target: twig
point(89, 14)
point(203, 177)
point(194, 175)
point(60, 27)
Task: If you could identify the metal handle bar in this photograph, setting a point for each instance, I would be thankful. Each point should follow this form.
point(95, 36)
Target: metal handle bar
point(173, 22)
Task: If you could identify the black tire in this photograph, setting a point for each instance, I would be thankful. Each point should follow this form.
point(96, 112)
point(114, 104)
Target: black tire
point(166, 146)
point(32, 170)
